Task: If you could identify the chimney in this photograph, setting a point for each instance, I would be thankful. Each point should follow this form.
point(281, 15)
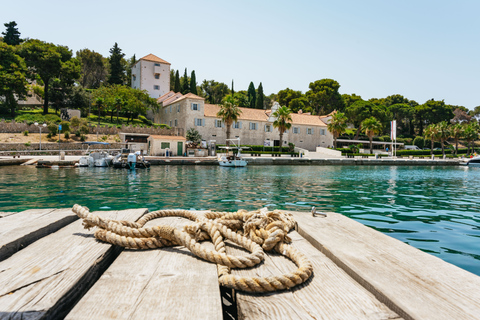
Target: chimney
point(300, 111)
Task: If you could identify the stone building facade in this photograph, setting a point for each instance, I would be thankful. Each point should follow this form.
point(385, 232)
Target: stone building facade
point(152, 74)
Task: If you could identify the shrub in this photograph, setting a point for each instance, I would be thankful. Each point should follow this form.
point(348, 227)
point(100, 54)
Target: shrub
point(419, 142)
point(104, 138)
point(84, 129)
point(75, 121)
point(52, 127)
point(66, 135)
point(27, 144)
point(49, 135)
point(52, 118)
point(83, 138)
point(25, 133)
point(77, 133)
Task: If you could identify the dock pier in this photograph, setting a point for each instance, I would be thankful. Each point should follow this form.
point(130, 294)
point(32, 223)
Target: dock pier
point(52, 268)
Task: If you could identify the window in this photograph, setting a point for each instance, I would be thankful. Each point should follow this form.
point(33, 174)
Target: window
point(178, 108)
point(237, 125)
point(309, 131)
point(199, 122)
point(156, 87)
point(322, 132)
point(157, 64)
point(253, 126)
point(296, 130)
point(218, 123)
point(194, 106)
point(134, 77)
point(176, 123)
point(268, 128)
point(170, 123)
point(157, 75)
point(165, 145)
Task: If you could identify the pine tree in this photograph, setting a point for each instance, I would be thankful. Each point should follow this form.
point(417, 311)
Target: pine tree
point(193, 83)
point(185, 84)
point(252, 95)
point(176, 87)
point(11, 35)
point(260, 95)
point(117, 70)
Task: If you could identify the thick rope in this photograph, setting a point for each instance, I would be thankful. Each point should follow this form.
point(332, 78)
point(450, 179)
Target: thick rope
point(254, 231)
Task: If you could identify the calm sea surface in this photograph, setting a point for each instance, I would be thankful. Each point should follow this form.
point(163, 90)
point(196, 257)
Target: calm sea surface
point(436, 209)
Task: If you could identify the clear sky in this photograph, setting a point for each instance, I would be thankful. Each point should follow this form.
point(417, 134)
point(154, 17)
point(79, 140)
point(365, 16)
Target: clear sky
point(421, 49)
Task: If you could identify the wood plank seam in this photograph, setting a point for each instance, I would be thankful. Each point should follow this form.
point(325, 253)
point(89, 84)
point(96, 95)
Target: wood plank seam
point(369, 287)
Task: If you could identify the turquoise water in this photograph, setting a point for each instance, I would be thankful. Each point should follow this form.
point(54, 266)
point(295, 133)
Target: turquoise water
point(436, 209)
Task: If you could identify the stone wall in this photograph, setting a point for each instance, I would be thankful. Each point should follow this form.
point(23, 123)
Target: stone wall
point(13, 127)
point(71, 148)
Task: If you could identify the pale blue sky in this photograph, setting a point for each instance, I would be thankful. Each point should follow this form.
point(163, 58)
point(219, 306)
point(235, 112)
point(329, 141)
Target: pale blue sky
point(373, 48)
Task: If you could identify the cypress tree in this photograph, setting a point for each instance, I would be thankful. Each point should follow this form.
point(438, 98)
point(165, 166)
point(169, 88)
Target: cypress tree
point(260, 97)
point(252, 95)
point(11, 35)
point(185, 84)
point(172, 80)
point(233, 91)
point(117, 70)
point(193, 83)
point(177, 82)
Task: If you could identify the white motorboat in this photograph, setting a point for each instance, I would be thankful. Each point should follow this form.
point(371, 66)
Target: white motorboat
point(472, 162)
point(95, 159)
point(233, 156)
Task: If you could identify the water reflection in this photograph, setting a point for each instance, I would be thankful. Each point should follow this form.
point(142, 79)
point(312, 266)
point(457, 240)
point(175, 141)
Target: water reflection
point(435, 209)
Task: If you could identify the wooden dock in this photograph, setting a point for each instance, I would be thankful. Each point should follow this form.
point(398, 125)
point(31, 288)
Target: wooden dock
point(52, 268)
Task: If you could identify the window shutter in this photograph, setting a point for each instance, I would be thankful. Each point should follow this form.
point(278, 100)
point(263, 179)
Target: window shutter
point(195, 121)
point(240, 125)
point(203, 122)
point(191, 106)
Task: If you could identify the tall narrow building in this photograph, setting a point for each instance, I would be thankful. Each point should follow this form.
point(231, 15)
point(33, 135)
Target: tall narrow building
point(152, 74)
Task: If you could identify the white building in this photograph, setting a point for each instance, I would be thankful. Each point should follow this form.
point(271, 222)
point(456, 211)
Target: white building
point(254, 126)
point(152, 74)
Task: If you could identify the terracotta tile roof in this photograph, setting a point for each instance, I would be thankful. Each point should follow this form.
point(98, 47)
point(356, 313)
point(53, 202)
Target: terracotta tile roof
point(154, 58)
point(211, 110)
point(186, 96)
point(160, 137)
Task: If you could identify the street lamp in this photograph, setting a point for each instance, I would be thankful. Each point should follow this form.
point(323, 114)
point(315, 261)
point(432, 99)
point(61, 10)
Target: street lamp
point(40, 127)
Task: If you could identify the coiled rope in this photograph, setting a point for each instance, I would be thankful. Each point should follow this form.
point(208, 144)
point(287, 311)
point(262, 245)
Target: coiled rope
point(254, 231)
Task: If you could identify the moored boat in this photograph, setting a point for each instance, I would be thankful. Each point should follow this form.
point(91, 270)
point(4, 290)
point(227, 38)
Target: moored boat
point(233, 156)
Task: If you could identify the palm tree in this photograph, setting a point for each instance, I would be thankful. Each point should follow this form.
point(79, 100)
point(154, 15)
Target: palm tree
point(371, 126)
point(457, 133)
point(283, 121)
point(443, 134)
point(99, 102)
point(431, 133)
point(229, 113)
point(337, 126)
point(471, 134)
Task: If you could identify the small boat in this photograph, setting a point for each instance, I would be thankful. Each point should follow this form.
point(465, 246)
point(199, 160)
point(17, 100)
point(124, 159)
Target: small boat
point(233, 156)
point(472, 162)
point(130, 160)
point(96, 158)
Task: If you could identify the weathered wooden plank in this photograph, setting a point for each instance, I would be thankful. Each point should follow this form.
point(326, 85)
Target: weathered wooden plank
point(167, 283)
point(329, 294)
point(19, 230)
point(415, 284)
point(44, 280)
point(4, 214)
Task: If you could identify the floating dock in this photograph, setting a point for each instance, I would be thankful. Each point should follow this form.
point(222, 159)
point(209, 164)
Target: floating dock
point(53, 268)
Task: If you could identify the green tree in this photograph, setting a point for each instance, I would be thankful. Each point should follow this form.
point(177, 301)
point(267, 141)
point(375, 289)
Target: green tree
point(229, 113)
point(48, 61)
point(371, 126)
point(93, 70)
point(194, 136)
point(443, 134)
point(432, 112)
point(361, 110)
point(172, 80)
point(177, 87)
point(337, 126)
point(471, 134)
point(285, 97)
point(193, 83)
point(252, 95)
point(431, 133)
point(214, 91)
point(457, 130)
point(12, 77)
point(324, 97)
point(130, 63)
point(260, 97)
point(349, 99)
point(117, 67)
point(11, 36)
point(185, 83)
point(99, 103)
point(283, 121)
